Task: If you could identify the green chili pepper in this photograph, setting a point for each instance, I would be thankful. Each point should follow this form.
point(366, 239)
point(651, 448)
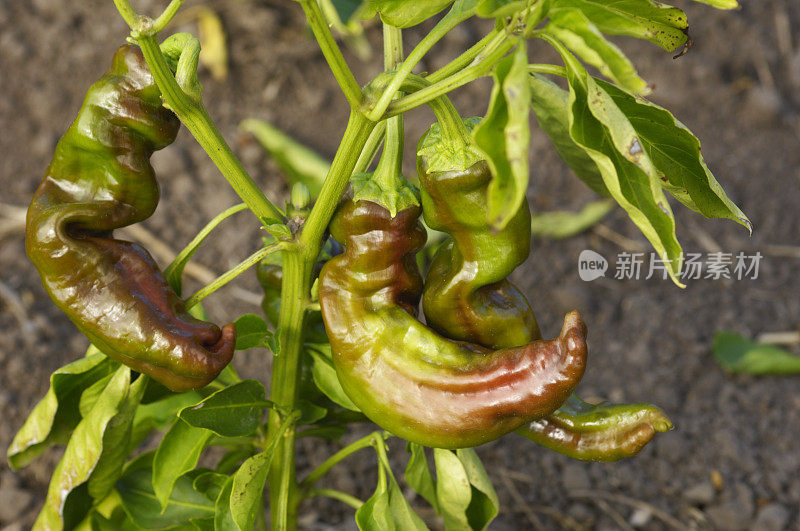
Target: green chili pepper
point(604, 432)
point(101, 179)
point(467, 296)
point(404, 376)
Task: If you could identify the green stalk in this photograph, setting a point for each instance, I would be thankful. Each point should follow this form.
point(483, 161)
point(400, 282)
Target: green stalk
point(390, 164)
point(196, 119)
point(317, 474)
point(334, 494)
point(463, 60)
point(442, 28)
point(298, 261)
point(450, 121)
point(555, 70)
point(371, 148)
point(283, 492)
point(161, 22)
point(471, 73)
point(232, 273)
point(344, 76)
point(353, 142)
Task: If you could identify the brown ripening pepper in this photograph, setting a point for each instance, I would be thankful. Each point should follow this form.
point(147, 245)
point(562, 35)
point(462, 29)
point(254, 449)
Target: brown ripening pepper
point(468, 297)
point(407, 378)
point(101, 179)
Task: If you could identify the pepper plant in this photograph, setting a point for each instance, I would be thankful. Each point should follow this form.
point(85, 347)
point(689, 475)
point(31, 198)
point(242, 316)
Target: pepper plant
point(340, 270)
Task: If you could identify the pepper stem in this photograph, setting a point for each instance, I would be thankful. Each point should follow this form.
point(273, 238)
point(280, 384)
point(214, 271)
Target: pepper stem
point(387, 186)
point(390, 165)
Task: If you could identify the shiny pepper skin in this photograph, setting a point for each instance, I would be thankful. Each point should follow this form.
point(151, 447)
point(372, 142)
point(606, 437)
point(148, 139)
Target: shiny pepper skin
point(467, 296)
point(604, 432)
point(101, 179)
point(407, 378)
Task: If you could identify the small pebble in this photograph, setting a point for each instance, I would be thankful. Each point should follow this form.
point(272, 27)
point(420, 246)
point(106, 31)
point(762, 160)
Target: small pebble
point(771, 517)
point(700, 494)
point(640, 517)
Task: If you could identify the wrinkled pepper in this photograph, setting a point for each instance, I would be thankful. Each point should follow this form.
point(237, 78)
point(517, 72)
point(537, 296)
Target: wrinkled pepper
point(603, 432)
point(467, 295)
point(402, 374)
point(101, 179)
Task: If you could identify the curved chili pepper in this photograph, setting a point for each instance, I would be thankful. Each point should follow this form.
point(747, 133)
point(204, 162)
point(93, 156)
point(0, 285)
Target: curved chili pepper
point(406, 377)
point(467, 296)
point(604, 432)
point(101, 179)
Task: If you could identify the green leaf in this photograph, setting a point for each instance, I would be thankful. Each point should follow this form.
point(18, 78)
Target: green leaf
point(402, 514)
point(325, 377)
point(58, 412)
point(142, 506)
point(74, 481)
point(252, 331)
point(720, 4)
point(375, 514)
point(223, 518)
point(561, 224)
point(116, 441)
point(248, 488)
point(499, 8)
point(504, 137)
point(658, 23)
point(178, 453)
point(92, 393)
point(484, 505)
point(418, 475)
point(452, 489)
point(277, 229)
point(466, 496)
point(248, 483)
point(330, 433)
point(310, 412)
point(550, 104)
point(581, 36)
point(675, 152)
point(209, 483)
point(607, 136)
point(159, 415)
point(738, 354)
point(235, 411)
point(404, 13)
point(299, 163)
point(346, 8)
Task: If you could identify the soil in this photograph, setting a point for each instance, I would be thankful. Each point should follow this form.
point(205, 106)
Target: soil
point(733, 461)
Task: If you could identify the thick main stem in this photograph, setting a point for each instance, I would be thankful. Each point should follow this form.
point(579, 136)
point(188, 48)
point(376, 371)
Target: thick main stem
point(296, 284)
point(298, 264)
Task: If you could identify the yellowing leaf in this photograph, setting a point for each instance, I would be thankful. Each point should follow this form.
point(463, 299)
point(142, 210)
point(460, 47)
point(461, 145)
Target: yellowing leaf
point(213, 43)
